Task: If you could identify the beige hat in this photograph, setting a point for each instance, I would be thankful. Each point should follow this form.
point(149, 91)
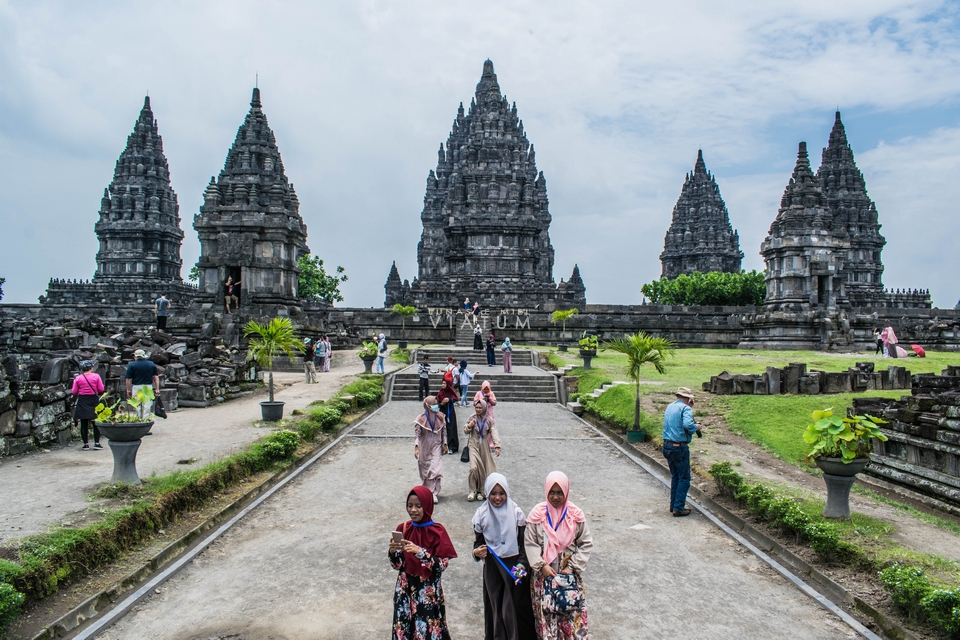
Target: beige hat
point(685, 392)
point(139, 353)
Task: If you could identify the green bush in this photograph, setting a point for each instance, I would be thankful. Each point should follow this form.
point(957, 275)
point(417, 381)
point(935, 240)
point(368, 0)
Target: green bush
point(11, 602)
point(907, 587)
point(747, 288)
point(941, 608)
point(368, 398)
point(280, 445)
point(326, 417)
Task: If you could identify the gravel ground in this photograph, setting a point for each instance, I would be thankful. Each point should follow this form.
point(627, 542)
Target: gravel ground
point(311, 562)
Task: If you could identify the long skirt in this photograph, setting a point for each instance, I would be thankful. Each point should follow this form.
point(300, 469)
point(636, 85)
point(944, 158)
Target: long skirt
point(453, 433)
point(418, 609)
point(482, 462)
point(326, 362)
point(477, 342)
point(430, 462)
point(558, 626)
point(507, 610)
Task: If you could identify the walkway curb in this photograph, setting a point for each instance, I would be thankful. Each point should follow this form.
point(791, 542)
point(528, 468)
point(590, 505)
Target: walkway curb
point(104, 599)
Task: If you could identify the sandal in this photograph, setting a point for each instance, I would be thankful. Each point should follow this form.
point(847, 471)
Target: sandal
point(471, 497)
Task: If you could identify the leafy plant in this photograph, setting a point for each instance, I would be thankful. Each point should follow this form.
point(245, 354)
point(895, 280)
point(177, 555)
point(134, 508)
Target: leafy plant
point(271, 340)
point(316, 284)
point(589, 342)
point(562, 317)
point(125, 411)
point(714, 288)
point(404, 313)
point(640, 349)
point(281, 444)
point(2, 280)
point(194, 274)
point(11, 602)
point(367, 349)
point(907, 586)
point(844, 438)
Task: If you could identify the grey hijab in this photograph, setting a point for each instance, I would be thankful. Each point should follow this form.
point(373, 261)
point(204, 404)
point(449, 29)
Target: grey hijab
point(499, 525)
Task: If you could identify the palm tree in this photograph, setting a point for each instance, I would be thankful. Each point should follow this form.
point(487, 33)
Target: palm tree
point(404, 313)
point(272, 340)
point(562, 317)
point(640, 349)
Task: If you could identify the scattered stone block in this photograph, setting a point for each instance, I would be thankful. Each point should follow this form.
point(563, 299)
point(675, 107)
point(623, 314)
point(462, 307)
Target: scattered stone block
point(773, 380)
point(809, 385)
point(791, 379)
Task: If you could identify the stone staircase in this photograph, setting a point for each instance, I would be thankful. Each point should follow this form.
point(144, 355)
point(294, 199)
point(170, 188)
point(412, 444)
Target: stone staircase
point(526, 384)
point(475, 359)
point(465, 333)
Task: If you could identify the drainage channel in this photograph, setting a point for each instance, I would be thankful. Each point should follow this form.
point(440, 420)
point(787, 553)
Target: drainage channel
point(118, 611)
point(823, 601)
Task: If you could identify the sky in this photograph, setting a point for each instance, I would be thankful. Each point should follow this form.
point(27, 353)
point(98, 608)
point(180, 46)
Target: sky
point(617, 98)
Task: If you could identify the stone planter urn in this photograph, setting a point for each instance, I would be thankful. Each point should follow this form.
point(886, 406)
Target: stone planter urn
point(124, 441)
point(271, 411)
point(588, 355)
point(368, 363)
point(401, 344)
point(561, 347)
point(839, 477)
point(639, 435)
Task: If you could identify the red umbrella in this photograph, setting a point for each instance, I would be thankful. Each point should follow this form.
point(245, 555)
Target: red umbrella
point(917, 349)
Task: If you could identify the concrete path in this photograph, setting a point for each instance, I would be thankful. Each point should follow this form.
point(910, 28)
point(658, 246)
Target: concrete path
point(312, 563)
point(43, 488)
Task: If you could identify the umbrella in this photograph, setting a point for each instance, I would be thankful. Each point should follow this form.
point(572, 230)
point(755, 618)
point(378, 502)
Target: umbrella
point(917, 349)
point(901, 352)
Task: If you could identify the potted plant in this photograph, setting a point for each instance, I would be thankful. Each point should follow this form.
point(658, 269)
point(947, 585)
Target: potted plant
point(640, 349)
point(562, 317)
point(269, 341)
point(588, 348)
point(123, 427)
point(368, 353)
point(404, 313)
point(841, 448)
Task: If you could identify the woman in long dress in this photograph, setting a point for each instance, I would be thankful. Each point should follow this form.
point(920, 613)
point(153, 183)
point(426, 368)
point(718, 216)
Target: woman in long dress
point(499, 525)
point(477, 338)
point(484, 444)
point(486, 394)
point(419, 612)
point(557, 540)
point(430, 430)
point(447, 398)
point(326, 361)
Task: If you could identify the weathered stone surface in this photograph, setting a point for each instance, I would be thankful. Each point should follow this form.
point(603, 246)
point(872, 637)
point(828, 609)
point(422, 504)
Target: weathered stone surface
point(791, 379)
point(774, 375)
point(55, 369)
point(190, 359)
point(809, 385)
point(8, 423)
point(25, 411)
point(837, 382)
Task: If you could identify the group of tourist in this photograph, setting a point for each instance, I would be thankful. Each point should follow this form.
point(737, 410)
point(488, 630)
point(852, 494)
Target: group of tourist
point(472, 311)
point(533, 565)
point(316, 357)
point(887, 343)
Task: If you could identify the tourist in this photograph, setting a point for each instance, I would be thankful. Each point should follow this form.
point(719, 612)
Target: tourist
point(326, 360)
point(678, 429)
point(309, 366)
point(491, 354)
point(499, 525)
point(381, 352)
point(558, 544)
point(467, 310)
point(463, 377)
point(451, 365)
point(87, 388)
point(889, 339)
point(430, 445)
point(142, 373)
point(486, 394)
point(477, 338)
point(424, 372)
point(878, 340)
point(231, 290)
point(447, 397)
point(484, 444)
point(319, 355)
point(161, 309)
point(421, 556)
point(507, 350)
point(476, 312)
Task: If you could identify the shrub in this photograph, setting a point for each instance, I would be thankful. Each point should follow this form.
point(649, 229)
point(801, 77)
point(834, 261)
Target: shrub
point(941, 607)
point(280, 445)
point(326, 417)
point(367, 398)
point(907, 586)
point(713, 288)
point(728, 481)
point(11, 602)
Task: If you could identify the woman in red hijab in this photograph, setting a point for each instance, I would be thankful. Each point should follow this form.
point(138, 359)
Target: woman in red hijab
point(558, 541)
point(421, 557)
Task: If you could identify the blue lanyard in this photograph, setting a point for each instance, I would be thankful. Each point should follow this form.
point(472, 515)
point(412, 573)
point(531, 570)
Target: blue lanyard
point(421, 524)
point(559, 522)
point(480, 428)
point(426, 414)
point(505, 568)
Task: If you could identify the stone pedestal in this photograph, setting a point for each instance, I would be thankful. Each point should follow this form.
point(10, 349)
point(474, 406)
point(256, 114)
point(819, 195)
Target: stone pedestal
point(125, 461)
point(838, 496)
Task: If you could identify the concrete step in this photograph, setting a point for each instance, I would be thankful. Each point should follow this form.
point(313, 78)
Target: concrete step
point(507, 387)
point(438, 356)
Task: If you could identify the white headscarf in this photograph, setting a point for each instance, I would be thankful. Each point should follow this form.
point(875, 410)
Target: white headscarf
point(499, 525)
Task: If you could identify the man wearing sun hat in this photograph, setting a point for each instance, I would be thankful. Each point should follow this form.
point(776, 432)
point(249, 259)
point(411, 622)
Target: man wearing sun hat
point(142, 373)
point(678, 429)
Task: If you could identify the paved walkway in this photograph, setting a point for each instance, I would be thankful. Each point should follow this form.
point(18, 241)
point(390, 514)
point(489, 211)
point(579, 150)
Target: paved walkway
point(43, 488)
point(312, 562)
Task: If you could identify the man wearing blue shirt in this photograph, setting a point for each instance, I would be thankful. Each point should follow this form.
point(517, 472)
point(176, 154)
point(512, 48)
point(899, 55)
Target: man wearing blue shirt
point(678, 428)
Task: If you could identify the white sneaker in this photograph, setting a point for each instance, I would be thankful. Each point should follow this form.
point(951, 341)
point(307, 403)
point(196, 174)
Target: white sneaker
point(471, 497)
point(436, 499)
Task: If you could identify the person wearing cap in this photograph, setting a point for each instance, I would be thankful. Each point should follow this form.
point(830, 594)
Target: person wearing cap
point(142, 373)
point(309, 366)
point(678, 429)
point(87, 388)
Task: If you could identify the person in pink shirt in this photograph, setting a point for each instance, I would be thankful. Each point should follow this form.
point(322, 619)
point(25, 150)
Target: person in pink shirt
point(87, 388)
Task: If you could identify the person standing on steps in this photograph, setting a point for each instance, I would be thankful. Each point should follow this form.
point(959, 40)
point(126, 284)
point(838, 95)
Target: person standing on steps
point(507, 350)
point(87, 388)
point(491, 351)
point(161, 309)
point(484, 444)
point(230, 291)
point(467, 308)
point(381, 352)
point(424, 372)
point(678, 428)
point(142, 373)
point(430, 445)
point(463, 377)
point(309, 366)
point(447, 398)
point(477, 338)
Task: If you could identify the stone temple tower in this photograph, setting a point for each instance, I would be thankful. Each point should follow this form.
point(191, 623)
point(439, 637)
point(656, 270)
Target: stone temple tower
point(700, 237)
point(249, 224)
point(485, 216)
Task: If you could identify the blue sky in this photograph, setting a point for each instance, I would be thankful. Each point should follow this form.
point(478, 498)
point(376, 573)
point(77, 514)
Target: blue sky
point(616, 97)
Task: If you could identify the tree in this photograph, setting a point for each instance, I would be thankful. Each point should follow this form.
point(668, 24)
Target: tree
point(194, 274)
point(315, 284)
point(2, 280)
point(747, 288)
point(640, 349)
point(271, 340)
point(404, 313)
point(562, 317)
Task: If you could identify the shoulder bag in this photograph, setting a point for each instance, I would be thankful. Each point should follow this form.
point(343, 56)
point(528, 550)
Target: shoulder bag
point(563, 592)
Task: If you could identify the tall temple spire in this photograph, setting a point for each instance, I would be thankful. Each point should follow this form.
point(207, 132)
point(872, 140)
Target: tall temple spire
point(139, 226)
point(249, 225)
point(700, 237)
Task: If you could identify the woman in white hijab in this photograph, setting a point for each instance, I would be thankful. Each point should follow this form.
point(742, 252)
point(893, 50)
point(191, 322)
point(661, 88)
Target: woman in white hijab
point(499, 525)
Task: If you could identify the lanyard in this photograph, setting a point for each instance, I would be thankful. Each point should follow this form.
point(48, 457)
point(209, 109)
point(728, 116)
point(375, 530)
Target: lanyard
point(505, 568)
point(426, 414)
point(422, 524)
point(559, 522)
point(480, 428)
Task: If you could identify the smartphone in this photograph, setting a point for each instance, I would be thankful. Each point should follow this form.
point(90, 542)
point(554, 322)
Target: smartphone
point(397, 537)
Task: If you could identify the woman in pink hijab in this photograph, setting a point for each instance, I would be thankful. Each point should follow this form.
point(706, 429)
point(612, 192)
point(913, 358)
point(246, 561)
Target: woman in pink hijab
point(890, 341)
point(558, 541)
point(486, 394)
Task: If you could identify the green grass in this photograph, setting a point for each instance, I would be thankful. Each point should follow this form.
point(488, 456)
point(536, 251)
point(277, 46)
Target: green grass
point(929, 518)
point(400, 355)
point(589, 380)
point(364, 383)
point(617, 406)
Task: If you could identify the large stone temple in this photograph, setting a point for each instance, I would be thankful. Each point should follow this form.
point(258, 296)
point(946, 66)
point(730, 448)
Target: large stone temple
point(700, 237)
point(249, 224)
point(138, 229)
point(486, 218)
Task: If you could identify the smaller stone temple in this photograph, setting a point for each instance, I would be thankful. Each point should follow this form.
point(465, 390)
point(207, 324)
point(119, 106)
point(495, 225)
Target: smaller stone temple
point(249, 224)
point(700, 237)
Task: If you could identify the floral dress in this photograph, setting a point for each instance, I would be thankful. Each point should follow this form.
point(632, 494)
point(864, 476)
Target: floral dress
point(418, 608)
point(558, 626)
